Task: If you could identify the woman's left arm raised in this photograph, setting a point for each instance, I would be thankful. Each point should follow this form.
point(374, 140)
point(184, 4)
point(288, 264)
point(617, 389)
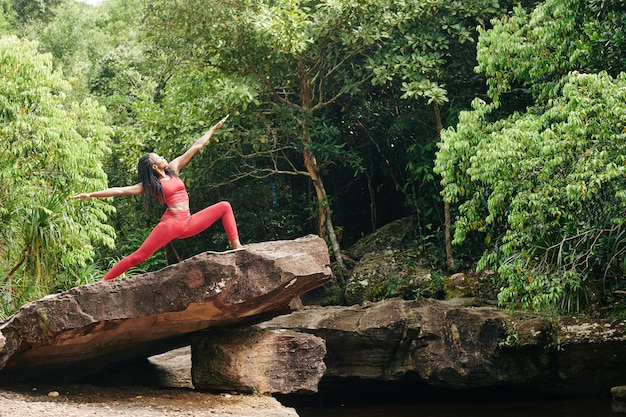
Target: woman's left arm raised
point(179, 162)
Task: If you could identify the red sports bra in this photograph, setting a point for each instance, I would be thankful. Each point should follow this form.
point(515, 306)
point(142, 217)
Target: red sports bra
point(174, 191)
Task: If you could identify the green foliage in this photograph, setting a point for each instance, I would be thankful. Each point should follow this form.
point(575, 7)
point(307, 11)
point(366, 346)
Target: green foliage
point(5, 17)
point(605, 35)
point(404, 287)
point(511, 339)
point(426, 38)
point(80, 36)
point(546, 191)
point(50, 147)
point(72, 37)
point(544, 187)
point(429, 59)
point(534, 50)
point(29, 10)
point(119, 81)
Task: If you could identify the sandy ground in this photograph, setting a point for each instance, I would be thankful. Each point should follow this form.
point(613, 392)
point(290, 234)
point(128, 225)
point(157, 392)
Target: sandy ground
point(86, 400)
point(175, 400)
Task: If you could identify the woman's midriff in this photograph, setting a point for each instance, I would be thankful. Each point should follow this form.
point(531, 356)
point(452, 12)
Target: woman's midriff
point(184, 205)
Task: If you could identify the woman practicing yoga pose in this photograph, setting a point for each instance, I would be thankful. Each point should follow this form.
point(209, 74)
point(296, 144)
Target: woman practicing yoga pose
point(160, 179)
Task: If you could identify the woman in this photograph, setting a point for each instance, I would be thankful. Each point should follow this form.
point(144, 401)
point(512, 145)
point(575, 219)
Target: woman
point(160, 179)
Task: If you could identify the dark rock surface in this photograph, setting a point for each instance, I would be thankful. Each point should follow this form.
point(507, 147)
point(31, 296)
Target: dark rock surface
point(454, 344)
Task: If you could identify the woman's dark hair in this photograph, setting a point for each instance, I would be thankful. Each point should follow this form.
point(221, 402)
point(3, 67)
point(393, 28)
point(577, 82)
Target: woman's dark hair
point(151, 182)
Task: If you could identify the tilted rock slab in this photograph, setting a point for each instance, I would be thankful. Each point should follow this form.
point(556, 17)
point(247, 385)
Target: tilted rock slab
point(90, 327)
point(258, 361)
point(451, 345)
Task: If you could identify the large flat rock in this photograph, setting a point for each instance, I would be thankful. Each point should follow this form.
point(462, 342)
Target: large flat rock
point(450, 344)
point(91, 327)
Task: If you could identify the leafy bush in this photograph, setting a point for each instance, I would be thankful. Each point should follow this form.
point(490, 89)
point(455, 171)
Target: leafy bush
point(50, 147)
point(547, 191)
point(542, 180)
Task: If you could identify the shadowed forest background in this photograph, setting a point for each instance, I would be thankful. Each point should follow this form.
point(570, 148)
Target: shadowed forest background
point(499, 126)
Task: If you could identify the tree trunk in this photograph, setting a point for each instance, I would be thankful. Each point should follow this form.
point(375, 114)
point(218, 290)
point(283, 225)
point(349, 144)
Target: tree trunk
point(324, 220)
point(372, 195)
point(446, 205)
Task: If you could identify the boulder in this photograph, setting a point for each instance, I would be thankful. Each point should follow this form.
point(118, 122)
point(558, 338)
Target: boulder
point(256, 361)
point(397, 235)
point(390, 273)
point(619, 393)
point(173, 368)
point(387, 264)
point(460, 285)
point(88, 328)
point(455, 344)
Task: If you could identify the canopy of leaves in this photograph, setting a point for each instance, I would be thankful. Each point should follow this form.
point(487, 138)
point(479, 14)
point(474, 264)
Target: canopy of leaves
point(28, 10)
point(337, 44)
point(534, 50)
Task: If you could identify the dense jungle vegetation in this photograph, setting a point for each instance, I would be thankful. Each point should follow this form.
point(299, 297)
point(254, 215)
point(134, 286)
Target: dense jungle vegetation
point(499, 125)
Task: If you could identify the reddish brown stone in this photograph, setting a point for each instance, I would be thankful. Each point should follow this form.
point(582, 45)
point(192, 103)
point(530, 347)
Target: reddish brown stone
point(95, 325)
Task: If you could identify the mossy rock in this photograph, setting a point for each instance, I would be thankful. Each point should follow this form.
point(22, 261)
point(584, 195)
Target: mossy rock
point(461, 285)
point(397, 235)
point(390, 273)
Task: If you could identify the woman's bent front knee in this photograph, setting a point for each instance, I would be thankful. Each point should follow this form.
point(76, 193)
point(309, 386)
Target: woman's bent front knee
point(224, 207)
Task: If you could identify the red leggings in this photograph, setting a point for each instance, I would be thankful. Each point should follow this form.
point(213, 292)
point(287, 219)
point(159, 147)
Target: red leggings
point(177, 224)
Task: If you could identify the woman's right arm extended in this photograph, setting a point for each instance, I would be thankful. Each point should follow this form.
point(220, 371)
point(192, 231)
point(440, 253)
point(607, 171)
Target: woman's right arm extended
point(113, 192)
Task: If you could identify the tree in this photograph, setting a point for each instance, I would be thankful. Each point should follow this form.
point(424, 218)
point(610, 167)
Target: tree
point(50, 147)
point(81, 37)
point(543, 186)
point(72, 36)
point(5, 17)
point(430, 51)
point(28, 10)
point(302, 57)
